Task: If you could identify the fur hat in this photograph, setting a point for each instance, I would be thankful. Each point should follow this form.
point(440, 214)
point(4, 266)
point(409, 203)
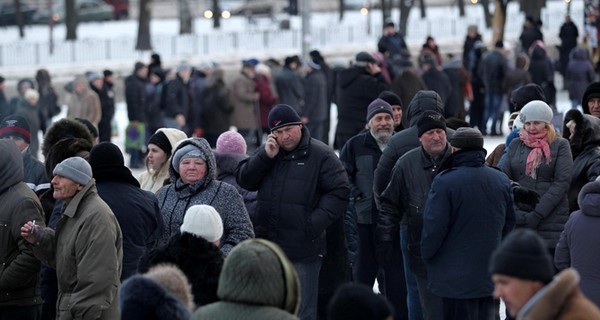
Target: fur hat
point(523, 254)
point(203, 221)
point(76, 169)
point(15, 125)
point(231, 142)
point(467, 139)
point(378, 106)
point(283, 115)
point(430, 120)
point(66, 148)
point(355, 301)
point(391, 98)
point(89, 125)
point(523, 94)
point(536, 110)
point(141, 297)
point(188, 151)
point(65, 128)
point(174, 281)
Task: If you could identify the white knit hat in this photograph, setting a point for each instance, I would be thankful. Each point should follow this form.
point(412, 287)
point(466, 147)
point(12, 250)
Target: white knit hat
point(203, 221)
point(536, 110)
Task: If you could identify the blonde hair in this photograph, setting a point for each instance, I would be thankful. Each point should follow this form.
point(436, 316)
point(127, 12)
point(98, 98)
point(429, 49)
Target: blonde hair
point(551, 135)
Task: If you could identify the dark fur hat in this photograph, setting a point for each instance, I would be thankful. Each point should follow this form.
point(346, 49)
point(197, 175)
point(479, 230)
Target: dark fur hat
point(66, 148)
point(65, 128)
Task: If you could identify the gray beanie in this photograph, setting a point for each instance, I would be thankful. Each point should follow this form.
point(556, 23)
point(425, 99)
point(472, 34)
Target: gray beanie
point(187, 151)
point(467, 138)
point(74, 168)
point(536, 110)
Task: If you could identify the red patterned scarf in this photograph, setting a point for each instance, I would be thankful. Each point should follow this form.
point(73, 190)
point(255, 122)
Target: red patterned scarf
point(540, 149)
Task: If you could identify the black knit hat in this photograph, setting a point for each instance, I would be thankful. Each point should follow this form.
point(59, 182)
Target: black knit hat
point(378, 106)
point(357, 301)
point(430, 120)
point(524, 94)
point(15, 125)
point(108, 164)
point(283, 115)
point(391, 98)
point(467, 139)
point(524, 255)
point(160, 140)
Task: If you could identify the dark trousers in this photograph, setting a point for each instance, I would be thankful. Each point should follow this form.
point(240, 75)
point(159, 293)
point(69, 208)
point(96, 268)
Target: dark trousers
point(21, 312)
point(367, 269)
point(104, 130)
point(469, 309)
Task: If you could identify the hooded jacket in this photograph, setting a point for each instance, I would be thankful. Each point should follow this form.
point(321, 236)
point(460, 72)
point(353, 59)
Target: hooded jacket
point(226, 165)
point(561, 299)
point(579, 73)
point(576, 247)
point(153, 181)
point(19, 269)
point(356, 89)
point(300, 194)
point(257, 282)
point(176, 198)
point(87, 258)
point(407, 139)
point(594, 87)
point(585, 147)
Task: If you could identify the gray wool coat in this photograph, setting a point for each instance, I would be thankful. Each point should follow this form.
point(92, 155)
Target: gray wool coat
point(174, 199)
point(552, 184)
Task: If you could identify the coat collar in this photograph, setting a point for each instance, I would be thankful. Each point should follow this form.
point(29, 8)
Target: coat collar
point(89, 188)
point(550, 300)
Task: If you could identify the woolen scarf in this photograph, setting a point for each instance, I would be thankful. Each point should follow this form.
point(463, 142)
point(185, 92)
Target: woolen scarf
point(540, 149)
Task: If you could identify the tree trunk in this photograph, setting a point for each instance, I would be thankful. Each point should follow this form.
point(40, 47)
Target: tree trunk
point(499, 21)
point(405, 6)
point(532, 8)
point(386, 10)
point(342, 3)
point(216, 9)
point(461, 8)
point(486, 13)
point(143, 37)
point(185, 17)
point(19, 19)
point(71, 19)
point(423, 9)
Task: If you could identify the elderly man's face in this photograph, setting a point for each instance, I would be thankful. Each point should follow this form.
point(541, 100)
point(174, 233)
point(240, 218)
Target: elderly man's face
point(434, 141)
point(515, 292)
point(64, 188)
point(594, 105)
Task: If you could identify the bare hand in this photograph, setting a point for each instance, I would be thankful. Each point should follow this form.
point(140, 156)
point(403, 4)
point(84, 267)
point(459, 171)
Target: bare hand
point(374, 69)
point(271, 146)
point(30, 231)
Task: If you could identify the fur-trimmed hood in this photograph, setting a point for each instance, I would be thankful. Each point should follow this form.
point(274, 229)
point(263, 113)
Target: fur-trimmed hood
point(65, 128)
point(582, 131)
point(589, 199)
point(204, 147)
point(143, 298)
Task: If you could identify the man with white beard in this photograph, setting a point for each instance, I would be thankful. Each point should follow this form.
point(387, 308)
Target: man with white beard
point(360, 156)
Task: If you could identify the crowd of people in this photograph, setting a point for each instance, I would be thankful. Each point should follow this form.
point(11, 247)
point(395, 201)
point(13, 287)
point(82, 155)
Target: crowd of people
point(268, 221)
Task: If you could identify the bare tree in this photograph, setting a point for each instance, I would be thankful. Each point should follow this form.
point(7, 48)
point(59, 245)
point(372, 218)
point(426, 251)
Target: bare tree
point(423, 9)
point(71, 19)
point(216, 9)
point(461, 7)
point(486, 13)
point(185, 17)
point(405, 6)
point(532, 8)
point(342, 4)
point(19, 18)
point(499, 20)
point(386, 9)
point(143, 37)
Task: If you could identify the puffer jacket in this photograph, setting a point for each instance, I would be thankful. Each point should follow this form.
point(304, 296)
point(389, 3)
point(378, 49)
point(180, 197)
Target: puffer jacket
point(407, 139)
point(575, 248)
point(85, 290)
point(226, 165)
point(404, 199)
point(19, 269)
point(561, 299)
point(257, 282)
point(176, 198)
point(585, 147)
point(300, 194)
point(552, 184)
point(151, 180)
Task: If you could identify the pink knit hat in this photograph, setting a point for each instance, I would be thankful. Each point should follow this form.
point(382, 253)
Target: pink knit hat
point(231, 142)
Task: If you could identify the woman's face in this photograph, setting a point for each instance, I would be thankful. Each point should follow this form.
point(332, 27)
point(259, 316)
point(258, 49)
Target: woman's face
point(533, 127)
point(156, 157)
point(192, 170)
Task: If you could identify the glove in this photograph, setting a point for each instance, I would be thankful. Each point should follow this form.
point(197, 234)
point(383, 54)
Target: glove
point(533, 220)
point(525, 199)
point(384, 252)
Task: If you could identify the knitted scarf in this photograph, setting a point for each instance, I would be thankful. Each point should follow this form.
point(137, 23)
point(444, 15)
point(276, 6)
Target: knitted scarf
point(540, 149)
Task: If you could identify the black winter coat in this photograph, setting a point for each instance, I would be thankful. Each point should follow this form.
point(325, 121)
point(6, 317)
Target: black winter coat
point(178, 98)
point(227, 163)
point(290, 88)
point(135, 97)
point(356, 90)
point(200, 261)
point(300, 194)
